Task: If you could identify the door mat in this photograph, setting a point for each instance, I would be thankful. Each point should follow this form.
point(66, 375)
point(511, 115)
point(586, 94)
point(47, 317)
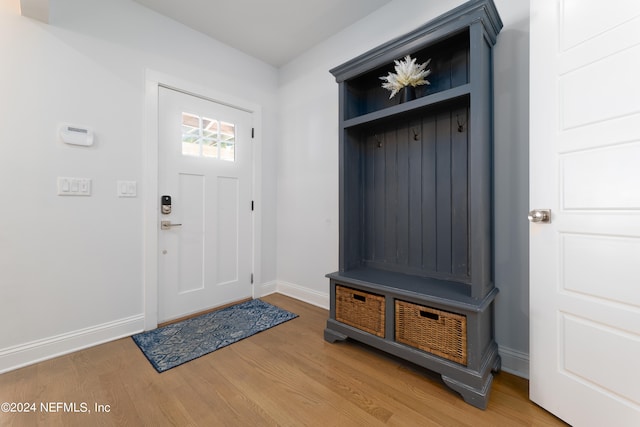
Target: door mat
point(181, 342)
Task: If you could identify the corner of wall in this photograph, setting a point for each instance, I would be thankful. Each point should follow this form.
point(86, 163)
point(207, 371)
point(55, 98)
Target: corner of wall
point(319, 299)
point(514, 362)
point(35, 9)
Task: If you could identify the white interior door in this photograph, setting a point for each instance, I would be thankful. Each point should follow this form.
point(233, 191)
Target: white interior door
point(585, 167)
point(205, 166)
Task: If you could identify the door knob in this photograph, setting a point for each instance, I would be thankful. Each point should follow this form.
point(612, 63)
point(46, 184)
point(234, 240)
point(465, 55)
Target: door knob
point(540, 215)
point(166, 225)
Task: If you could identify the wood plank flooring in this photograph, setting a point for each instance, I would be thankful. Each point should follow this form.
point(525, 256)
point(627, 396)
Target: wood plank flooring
point(285, 376)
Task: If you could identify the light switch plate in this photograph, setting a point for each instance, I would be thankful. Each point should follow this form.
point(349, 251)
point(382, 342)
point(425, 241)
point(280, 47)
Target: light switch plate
point(74, 186)
point(127, 188)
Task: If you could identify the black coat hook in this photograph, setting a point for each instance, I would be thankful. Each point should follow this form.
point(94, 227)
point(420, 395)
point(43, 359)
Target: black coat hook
point(460, 124)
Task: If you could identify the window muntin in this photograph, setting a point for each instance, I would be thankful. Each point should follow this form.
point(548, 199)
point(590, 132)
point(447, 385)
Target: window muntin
point(206, 137)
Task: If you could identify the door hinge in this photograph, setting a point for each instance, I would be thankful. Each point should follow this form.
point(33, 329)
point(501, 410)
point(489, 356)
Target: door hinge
point(252, 278)
point(252, 205)
point(253, 132)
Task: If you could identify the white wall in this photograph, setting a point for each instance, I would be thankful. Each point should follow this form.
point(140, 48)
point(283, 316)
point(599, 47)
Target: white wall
point(71, 268)
point(511, 188)
point(308, 161)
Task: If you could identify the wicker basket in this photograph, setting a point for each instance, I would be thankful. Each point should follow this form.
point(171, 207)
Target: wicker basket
point(360, 309)
point(435, 331)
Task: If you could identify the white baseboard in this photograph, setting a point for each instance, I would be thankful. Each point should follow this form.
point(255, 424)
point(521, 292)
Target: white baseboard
point(319, 299)
point(36, 351)
point(265, 289)
point(514, 362)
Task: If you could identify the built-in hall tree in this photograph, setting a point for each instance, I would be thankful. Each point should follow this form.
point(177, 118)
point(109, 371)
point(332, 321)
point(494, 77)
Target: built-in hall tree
point(415, 272)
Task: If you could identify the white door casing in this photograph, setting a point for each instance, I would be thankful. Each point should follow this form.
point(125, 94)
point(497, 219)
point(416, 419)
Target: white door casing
point(206, 260)
point(585, 167)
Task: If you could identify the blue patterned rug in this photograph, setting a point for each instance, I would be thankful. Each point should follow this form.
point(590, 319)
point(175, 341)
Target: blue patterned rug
point(181, 342)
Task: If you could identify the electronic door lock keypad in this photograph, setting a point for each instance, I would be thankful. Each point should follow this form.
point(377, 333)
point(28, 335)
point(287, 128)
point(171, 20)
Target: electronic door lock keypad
point(165, 205)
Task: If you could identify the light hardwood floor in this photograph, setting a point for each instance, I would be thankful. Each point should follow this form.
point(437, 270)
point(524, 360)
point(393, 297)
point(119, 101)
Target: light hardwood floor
point(287, 375)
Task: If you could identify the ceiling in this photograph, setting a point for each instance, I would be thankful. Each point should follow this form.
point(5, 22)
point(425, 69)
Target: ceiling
point(275, 31)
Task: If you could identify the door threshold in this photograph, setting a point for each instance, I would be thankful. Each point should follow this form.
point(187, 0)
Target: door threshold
point(200, 313)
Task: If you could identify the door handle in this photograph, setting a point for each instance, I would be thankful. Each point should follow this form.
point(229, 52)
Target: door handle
point(166, 225)
point(540, 215)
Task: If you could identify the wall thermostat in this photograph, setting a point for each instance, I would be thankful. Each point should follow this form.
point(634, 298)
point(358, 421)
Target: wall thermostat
point(76, 135)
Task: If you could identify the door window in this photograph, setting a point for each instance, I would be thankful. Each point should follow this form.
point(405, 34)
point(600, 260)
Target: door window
point(206, 137)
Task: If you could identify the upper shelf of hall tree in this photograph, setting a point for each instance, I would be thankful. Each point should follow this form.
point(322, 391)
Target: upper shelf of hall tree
point(449, 43)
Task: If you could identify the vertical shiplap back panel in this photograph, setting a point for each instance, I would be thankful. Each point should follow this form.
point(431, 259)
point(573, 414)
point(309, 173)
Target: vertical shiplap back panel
point(415, 173)
point(443, 192)
point(459, 193)
point(390, 148)
point(369, 190)
point(415, 187)
point(379, 196)
point(402, 199)
point(429, 180)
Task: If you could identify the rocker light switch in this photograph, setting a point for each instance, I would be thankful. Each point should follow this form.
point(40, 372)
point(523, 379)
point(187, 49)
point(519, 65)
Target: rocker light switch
point(127, 188)
point(74, 186)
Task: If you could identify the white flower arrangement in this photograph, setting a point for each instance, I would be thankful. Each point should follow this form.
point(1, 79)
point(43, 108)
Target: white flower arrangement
point(408, 73)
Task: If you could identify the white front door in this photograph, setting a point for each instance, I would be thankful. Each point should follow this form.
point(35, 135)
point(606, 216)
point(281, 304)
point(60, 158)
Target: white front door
point(585, 167)
point(205, 167)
